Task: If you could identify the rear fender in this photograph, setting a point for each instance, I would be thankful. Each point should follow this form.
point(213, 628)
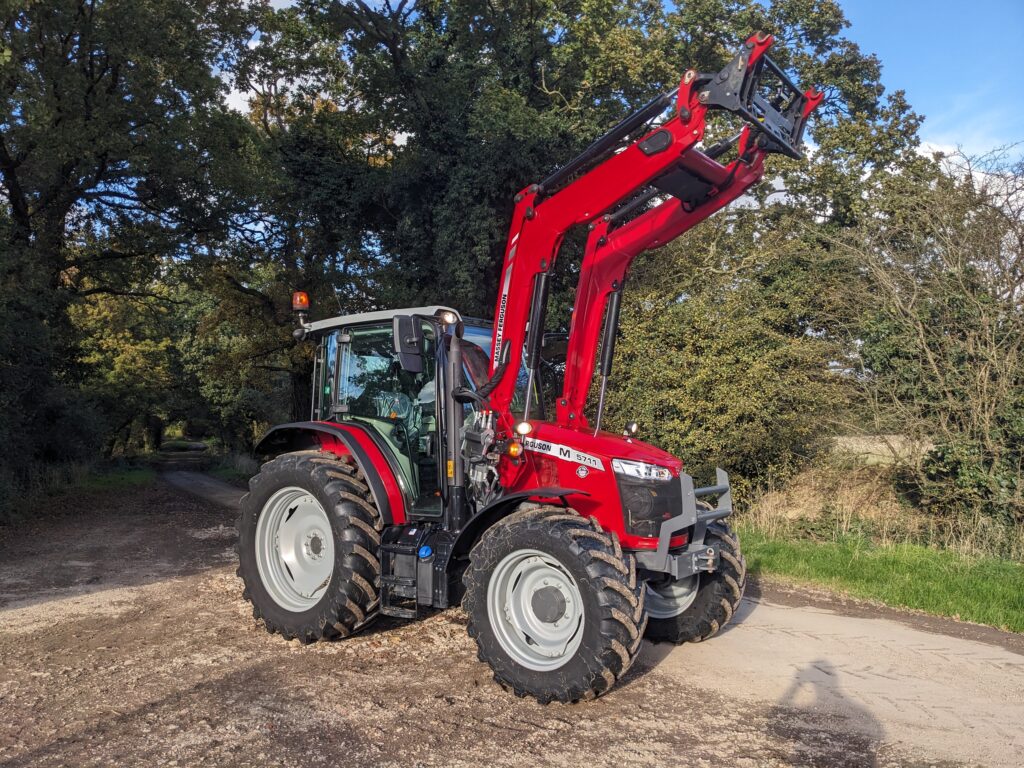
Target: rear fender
point(341, 440)
point(501, 508)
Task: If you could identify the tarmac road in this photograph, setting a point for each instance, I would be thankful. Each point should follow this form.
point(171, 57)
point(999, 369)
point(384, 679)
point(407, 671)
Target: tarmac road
point(124, 640)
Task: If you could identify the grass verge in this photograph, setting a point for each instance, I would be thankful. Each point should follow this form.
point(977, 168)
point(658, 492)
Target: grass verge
point(117, 478)
point(230, 474)
point(985, 590)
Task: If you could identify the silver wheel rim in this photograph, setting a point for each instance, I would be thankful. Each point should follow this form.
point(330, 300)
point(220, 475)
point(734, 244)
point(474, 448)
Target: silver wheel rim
point(294, 549)
point(669, 600)
point(535, 609)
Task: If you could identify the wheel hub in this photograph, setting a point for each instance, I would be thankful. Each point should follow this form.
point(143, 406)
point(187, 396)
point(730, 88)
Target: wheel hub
point(536, 609)
point(314, 545)
point(548, 604)
point(294, 549)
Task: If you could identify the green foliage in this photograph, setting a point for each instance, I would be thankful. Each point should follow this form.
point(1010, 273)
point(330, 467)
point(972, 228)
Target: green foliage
point(724, 359)
point(962, 477)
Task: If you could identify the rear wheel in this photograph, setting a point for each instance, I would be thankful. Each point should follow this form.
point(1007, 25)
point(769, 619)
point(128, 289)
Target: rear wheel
point(697, 607)
point(307, 541)
point(554, 605)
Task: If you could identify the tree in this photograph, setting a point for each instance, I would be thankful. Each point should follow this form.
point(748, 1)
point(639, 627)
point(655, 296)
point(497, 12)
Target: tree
point(111, 132)
point(941, 337)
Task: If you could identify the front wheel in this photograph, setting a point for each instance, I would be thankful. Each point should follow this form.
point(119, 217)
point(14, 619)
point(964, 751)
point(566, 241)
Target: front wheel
point(554, 605)
point(695, 608)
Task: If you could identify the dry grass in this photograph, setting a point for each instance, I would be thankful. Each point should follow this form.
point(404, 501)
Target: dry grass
point(836, 500)
point(884, 450)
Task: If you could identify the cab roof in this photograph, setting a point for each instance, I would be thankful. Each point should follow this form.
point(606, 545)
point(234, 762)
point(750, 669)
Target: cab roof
point(363, 318)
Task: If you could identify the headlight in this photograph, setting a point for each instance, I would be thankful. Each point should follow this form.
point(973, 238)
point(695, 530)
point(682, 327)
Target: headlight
point(640, 470)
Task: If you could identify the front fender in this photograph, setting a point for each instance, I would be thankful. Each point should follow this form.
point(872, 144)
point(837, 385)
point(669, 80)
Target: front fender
point(343, 440)
point(503, 507)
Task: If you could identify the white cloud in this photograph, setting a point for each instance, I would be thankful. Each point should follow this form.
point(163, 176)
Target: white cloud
point(975, 123)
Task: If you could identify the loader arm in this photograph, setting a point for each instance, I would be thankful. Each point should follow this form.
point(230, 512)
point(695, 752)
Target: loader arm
point(610, 252)
point(630, 161)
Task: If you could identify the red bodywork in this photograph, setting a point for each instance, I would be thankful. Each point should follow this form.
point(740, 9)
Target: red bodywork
point(540, 469)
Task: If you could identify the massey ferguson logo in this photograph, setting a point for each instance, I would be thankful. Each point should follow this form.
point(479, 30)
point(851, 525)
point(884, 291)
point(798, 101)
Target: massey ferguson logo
point(565, 453)
point(502, 306)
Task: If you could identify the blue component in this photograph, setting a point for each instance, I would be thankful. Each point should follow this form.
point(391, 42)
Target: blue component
point(425, 552)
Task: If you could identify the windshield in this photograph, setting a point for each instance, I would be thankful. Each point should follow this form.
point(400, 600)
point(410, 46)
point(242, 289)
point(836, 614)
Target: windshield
point(373, 384)
point(549, 379)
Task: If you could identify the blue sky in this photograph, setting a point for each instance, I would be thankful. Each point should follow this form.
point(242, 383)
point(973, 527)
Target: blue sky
point(959, 62)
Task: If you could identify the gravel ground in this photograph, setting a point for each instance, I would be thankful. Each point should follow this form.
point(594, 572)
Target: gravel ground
point(124, 641)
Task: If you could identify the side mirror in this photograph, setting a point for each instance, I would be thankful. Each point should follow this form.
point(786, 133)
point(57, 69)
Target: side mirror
point(408, 335)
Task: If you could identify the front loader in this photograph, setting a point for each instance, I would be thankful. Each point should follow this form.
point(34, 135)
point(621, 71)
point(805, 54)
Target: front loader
point(435, 470)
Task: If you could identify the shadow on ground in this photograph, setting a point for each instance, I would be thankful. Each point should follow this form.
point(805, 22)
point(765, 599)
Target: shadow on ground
point(84, 543)
point(799, 719)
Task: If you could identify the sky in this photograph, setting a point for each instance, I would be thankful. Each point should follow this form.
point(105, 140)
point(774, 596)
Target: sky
point(959, 63)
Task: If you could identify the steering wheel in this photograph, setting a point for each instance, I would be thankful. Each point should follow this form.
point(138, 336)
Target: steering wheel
point(393, 405)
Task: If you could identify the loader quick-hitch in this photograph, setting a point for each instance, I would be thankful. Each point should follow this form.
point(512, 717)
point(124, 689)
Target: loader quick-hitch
point(429, 473)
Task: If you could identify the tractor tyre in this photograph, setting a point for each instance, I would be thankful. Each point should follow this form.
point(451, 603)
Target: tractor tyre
point(554, 605)
point(695, 608)
point(308, 538)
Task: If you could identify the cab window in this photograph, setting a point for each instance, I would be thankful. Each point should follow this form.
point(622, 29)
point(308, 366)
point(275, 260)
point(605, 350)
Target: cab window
point(373, 387)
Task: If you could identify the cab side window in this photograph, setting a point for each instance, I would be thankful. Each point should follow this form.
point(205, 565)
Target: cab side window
point(401, 406)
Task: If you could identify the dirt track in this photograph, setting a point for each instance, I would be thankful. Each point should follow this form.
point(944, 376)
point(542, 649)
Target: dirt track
point(123, 640)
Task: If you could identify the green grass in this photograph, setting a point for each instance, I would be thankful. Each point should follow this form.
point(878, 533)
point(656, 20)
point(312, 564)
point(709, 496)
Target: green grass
point(114, 479)
point(177, 445)
point(983, 590)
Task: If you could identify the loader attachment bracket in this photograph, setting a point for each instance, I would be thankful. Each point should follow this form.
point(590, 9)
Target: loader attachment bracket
point(759, 90)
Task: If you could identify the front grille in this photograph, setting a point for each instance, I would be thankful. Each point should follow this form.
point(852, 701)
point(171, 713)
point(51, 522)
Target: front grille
point(647, 504)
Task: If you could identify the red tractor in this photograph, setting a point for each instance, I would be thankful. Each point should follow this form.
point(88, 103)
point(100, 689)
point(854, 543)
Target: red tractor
point(431, 473)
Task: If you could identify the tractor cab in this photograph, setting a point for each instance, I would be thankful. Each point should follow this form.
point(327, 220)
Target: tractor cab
point(359, 377)
point(396, 392)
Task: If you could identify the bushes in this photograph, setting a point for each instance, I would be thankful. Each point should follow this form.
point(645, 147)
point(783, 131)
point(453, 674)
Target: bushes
point(941, 336)
point(960, 478)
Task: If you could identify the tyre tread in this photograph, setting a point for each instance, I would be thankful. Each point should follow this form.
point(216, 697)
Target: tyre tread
point(353, 598)
point(717, 601)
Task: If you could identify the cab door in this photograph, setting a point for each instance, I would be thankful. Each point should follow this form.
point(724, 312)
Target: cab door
point(399, 406)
